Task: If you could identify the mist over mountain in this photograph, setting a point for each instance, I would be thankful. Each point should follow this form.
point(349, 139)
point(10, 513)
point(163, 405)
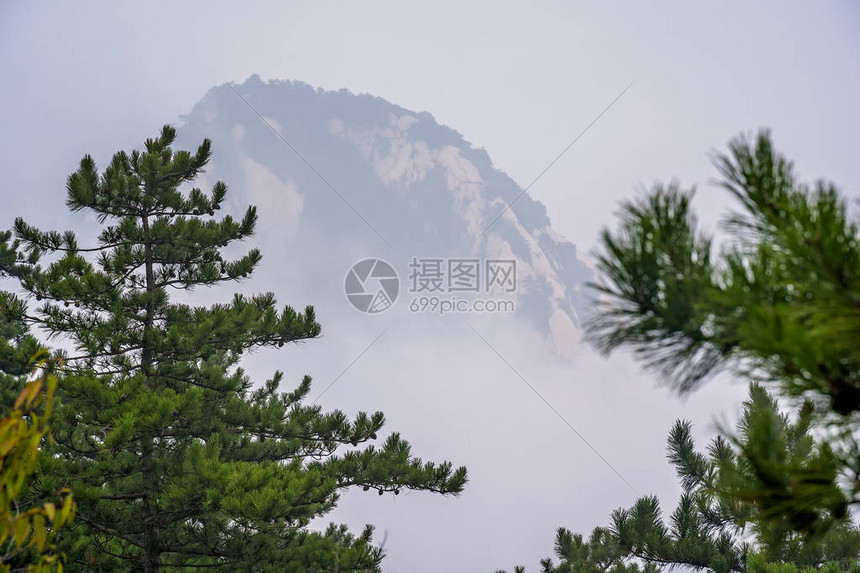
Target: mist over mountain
point(380, 181)
point(514, 397)
point(422, 190)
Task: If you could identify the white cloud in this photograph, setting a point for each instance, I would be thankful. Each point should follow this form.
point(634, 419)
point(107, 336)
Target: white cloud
point(238, 132)
point(278, 204)
point(275, 125)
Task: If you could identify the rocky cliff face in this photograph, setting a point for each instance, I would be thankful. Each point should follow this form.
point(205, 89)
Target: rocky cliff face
point(376, 180)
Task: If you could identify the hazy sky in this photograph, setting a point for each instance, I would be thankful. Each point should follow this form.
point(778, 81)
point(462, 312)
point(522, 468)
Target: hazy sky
point(520, 80)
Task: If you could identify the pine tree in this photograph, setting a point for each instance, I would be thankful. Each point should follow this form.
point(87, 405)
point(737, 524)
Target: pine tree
point(177, 460)
point(600, 553)
point(778, 304)
point(17, 346)
point(714, 526)
point(27, 530)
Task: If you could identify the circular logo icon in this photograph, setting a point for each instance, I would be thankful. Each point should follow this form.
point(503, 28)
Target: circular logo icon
point(372, 285)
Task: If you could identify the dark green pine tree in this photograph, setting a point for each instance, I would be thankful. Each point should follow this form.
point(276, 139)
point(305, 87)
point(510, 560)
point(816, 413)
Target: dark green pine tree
point(778, 303)
point(779, 467)
point(178, 462)
point(599, 553)
point(17, 346)
point(19, 351)
point(714, 526)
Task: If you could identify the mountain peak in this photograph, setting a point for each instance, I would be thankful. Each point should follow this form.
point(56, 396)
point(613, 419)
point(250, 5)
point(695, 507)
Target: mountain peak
point(338, 177)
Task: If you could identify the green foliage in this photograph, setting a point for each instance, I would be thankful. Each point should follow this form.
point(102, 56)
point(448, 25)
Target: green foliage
point(177, 459)
point(780, 301)
point(778, 304)
point(657, 269)
point(702, 531)
point(691, 539)
point(29, 531)
point(716, 524)
point(715, 517)
point(759, 564)
point(17, 347)
point(788, 477)
point(600, 553)
point(13, 262)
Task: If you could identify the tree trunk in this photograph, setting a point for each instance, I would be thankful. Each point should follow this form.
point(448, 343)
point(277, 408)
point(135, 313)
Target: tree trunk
point(151, 558)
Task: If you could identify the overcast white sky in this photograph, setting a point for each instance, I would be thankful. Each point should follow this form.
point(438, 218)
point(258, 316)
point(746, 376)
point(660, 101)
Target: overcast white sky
point(521, 80)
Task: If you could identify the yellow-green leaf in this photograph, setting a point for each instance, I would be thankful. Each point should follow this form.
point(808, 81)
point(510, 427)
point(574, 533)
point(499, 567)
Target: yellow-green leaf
point(50, 510)
point(22, 530)
point(40, 535)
